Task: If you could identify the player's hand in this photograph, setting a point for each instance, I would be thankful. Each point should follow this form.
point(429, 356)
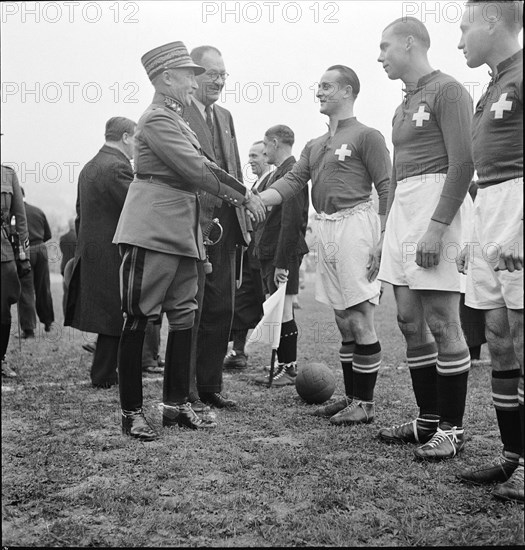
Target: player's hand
point(462, 260)
point(23, 268)
point(374, 261)
point(255, 208)
point(428, 250)
point(509, 261)
point(280, 276)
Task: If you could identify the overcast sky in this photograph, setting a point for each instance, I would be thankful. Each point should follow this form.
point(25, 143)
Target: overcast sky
point(69, 66)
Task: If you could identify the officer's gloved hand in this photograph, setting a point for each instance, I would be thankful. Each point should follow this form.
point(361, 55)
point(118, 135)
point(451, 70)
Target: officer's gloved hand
point(23, 268)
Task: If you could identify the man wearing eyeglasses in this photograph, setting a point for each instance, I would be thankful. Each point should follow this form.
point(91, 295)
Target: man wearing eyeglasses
point(216, 134)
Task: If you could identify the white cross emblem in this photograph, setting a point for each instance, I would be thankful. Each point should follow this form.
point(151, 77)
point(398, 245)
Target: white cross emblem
point(501, 106)
point(343, 152)
point(420, 116)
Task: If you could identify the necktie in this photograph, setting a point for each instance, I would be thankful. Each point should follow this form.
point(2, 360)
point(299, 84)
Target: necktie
point(209, 118)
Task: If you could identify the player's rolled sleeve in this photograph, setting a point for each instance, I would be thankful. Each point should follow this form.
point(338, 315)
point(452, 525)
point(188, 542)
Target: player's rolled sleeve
point(454, 115)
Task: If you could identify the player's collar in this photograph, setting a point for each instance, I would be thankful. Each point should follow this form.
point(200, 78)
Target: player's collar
point(506, 63)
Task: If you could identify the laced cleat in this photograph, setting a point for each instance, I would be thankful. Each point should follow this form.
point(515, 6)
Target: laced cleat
point(494, 473)
point(358, 412)
point(419, 430)
point(333, 408)
point(235, 360)
point(512, 489)
point(135, 425)
point(443, 444)
point(185, 417)
point(285, 374)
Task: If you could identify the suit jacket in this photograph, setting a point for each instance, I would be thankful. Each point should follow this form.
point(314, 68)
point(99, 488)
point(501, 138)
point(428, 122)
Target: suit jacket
point(93, 299)
point(224, 122)
point(161, 212)
point(281, 237)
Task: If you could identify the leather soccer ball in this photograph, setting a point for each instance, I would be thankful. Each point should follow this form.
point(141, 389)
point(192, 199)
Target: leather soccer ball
point(315, 383)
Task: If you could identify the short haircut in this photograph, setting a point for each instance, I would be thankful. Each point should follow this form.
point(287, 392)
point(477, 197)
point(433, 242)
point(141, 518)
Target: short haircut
point(410, 26)
point(347, 77)
point(510, 12)
point(283, 133)
point(200, 51)
point(117, 126)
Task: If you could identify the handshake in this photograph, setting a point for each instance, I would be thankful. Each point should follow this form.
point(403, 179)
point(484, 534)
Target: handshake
point(255, 206)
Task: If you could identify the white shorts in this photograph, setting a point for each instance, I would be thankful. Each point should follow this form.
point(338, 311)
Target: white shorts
point(345, 242)
point(498, 215)
point(414, 203)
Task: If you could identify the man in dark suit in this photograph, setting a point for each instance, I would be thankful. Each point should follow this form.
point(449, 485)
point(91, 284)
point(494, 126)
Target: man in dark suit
point(216, 134)
point(93, 301)
point(280, 246)
point(249, 297)
point(35, 298)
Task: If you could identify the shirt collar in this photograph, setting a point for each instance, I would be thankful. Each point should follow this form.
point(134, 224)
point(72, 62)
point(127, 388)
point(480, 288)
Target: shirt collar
point(201, 107)
point(263, 175)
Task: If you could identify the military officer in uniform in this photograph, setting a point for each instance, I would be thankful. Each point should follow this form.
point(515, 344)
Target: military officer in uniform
point(12, 206)
point(160, 239)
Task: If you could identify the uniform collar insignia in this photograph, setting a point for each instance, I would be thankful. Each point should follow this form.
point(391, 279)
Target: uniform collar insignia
point(174, 105)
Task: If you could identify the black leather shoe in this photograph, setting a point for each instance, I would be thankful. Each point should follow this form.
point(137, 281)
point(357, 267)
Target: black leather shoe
point(185, 417)
point(47, 327)
point(218, 401)
point(28, 333)
point(135, 425)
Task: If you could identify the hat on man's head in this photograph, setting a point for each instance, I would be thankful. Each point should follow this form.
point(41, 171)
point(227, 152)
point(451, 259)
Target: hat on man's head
point(170, 56)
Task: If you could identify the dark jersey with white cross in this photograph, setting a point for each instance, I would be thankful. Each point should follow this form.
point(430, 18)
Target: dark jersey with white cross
point(431, 135)
point(497, 127)
point(342, 168)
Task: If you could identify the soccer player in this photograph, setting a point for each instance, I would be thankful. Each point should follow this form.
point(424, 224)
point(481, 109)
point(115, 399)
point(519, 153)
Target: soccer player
point(489, 35)
point(342, 165)
point(430, 178)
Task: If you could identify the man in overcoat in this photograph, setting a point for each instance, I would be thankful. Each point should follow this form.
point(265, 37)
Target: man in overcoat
point(93, 303)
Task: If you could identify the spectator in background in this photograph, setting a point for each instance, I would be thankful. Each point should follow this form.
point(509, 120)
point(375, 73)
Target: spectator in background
point(35, 298)
point(68, 244)
point(93, 299)
point(249, 297)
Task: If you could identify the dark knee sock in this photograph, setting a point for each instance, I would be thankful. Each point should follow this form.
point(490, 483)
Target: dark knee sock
point(452, 378)
point(287, 350)
point(346, 356)
point(505, 399)
point(367, 360)
point(422, 365)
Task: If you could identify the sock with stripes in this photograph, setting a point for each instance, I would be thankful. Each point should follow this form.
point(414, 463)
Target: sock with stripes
point(452, 377)
point(422, 365)
point(287, 351)
point(346, 356)
point(367, 360)
point(505, 399)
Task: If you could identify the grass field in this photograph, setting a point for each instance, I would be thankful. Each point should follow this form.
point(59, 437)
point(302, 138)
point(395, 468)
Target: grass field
point(269, 475)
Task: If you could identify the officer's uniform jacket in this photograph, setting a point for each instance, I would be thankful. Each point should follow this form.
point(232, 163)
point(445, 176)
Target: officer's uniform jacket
point(224, 122)
point(161, 211)
point(12, 203)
